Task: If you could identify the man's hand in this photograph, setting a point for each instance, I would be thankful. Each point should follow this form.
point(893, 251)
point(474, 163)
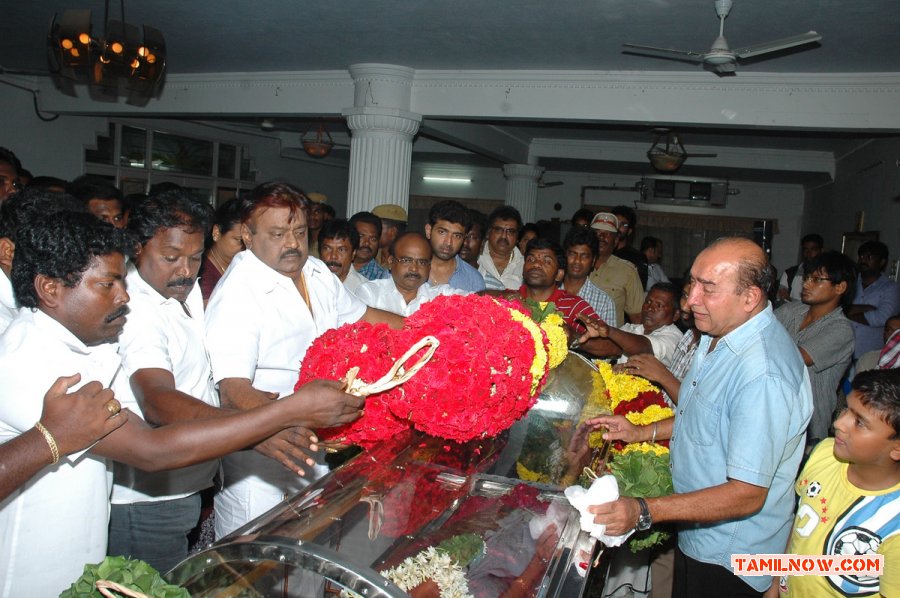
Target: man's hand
point(596, 328)
point(79, 419)
point(618, 428)
point(644, 365)
point(322, 404)
point(292, 448)
point(619, 516)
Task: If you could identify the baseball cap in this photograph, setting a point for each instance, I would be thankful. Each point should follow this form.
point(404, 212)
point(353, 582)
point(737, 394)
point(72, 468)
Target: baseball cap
point(605, 221)
point(391, 211)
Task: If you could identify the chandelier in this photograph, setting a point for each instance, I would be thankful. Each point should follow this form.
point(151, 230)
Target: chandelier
point(667, 154)
point(135, 55)
point(317, 145)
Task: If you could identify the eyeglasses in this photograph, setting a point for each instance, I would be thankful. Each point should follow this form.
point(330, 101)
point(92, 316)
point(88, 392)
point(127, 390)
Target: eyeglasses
point(508, 232)
point(408, 261)
point(816, 279)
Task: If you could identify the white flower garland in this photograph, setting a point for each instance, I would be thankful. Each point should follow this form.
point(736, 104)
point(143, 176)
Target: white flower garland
point(435, 565)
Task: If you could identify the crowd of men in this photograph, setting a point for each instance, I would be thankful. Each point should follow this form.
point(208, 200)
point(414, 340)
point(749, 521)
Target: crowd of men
point(151, 332)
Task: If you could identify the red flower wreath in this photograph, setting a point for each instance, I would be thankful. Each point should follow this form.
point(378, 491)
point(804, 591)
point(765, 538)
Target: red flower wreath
point(478, 383)
point(372, 349)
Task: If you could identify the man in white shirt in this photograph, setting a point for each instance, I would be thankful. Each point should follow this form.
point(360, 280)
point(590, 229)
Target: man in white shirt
point(69, 278)
point(338, 242)
point(164, 357)
point(501, 262)
point(408, 288)
point(656, 334)
point(271, 304)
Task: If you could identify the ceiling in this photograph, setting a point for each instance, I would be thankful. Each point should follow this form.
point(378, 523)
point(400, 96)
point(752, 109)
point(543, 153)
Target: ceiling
point(299, 35)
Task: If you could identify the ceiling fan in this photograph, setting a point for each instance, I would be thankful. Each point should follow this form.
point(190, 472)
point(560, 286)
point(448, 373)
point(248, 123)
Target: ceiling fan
point(722, 60)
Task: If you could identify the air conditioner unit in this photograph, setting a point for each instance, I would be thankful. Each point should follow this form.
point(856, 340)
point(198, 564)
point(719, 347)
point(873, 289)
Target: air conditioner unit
point(684, 191)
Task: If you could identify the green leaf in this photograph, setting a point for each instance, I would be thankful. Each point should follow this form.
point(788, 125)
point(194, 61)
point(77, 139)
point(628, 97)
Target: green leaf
point(131, 573)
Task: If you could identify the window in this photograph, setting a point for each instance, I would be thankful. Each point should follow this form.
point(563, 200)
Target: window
point(135, 158)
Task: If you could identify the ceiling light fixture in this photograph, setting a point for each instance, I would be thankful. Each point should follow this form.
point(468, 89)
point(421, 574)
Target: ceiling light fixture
point(317, 146)
point(130, 53)
point(446, 179)
point(667, 154)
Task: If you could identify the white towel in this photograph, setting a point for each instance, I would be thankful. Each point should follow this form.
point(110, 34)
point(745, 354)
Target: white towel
point(604, 489)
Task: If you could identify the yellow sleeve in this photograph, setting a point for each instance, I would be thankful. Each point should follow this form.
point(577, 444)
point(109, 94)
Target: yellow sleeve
point(889, 584)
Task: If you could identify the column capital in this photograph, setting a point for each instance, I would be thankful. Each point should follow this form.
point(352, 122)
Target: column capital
point(388, 120)
point(384, 85)
point(522, 171)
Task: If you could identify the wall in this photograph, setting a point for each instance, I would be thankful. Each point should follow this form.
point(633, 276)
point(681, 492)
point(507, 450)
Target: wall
point(867, 180)
point(45, 148)
point(784, 203)
point(56, 148)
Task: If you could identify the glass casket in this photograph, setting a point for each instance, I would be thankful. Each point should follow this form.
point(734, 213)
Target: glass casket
point(499, 498)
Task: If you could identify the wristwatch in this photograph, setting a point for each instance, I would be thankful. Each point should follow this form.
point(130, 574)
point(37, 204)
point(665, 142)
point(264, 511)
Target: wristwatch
point(644, 520)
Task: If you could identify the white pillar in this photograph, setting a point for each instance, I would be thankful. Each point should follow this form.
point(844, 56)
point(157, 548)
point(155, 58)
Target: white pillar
point(382, 129)
point(521, 188)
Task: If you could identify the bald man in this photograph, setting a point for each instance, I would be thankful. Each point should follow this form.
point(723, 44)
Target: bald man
point(738, 434)
point(409, 262)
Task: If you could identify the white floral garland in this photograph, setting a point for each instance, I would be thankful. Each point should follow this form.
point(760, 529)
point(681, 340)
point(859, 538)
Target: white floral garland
point(435, 565)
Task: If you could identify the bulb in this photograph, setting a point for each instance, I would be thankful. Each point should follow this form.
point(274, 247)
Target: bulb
point(84, 38)
point(104, 59)
point(117, 47)
point(74, 52)
point(143, 51)
point(66, 44)
point(151, 58)
point(135, 63)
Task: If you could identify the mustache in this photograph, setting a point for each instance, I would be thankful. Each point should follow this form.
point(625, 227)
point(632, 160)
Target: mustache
point(334, 265)
point(117, 314)
point(413, 276)
point(181, 282)
point(291, 253)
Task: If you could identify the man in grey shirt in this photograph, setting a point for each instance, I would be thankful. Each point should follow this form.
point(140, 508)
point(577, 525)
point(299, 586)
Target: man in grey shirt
point(822, 333)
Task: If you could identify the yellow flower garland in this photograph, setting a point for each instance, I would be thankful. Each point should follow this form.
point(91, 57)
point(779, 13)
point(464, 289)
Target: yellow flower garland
point(539, 365)
point(527, 475)
point(622, 387)
point(651, 414)
point(553, 325)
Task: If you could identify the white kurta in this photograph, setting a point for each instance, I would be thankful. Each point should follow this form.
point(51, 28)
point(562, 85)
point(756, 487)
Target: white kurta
point(8, 309)
point(354, 280)
point(663, 340)
point(160, 334)
point(258, 328)
point(383, 294)
point(57, 522)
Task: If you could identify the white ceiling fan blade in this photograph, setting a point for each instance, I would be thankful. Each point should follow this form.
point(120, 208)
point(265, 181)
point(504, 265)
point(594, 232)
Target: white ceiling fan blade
point(778, 44)
point(682, 54)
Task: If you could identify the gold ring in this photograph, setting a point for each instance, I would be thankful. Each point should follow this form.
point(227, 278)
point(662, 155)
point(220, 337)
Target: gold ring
point(113, 406)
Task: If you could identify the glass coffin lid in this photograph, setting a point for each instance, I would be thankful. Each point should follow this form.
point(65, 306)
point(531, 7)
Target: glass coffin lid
point(385, 512)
